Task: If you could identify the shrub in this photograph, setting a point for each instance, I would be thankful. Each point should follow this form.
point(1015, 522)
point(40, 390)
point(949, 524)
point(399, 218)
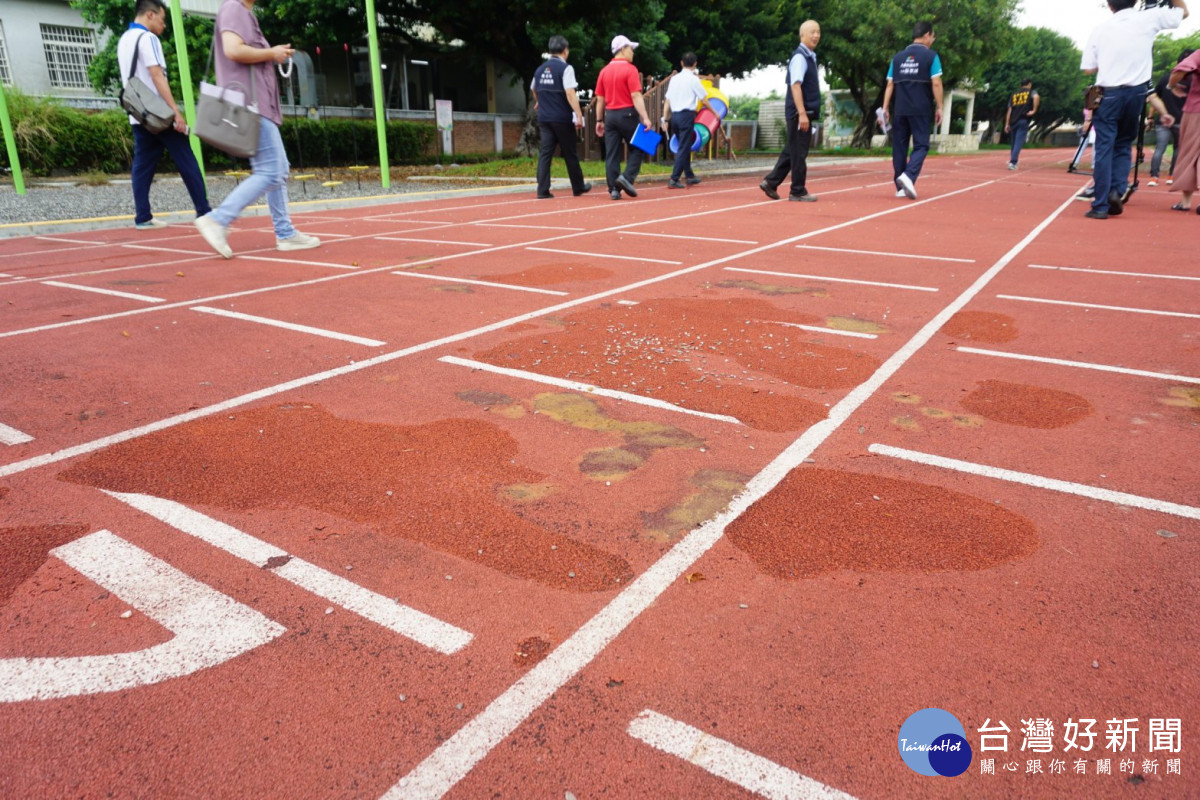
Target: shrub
point(52, 137)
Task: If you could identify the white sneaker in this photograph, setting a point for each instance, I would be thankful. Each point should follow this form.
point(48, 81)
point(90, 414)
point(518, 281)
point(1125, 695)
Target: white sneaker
point(906, 185)
point(297, 241)
point(150, 224)
point(1012, 165)
point(900, 193)
point(214, 233)
point(1152, 182)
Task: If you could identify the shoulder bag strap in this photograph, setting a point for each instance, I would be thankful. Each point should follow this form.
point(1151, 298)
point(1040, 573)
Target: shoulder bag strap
point(137, 48)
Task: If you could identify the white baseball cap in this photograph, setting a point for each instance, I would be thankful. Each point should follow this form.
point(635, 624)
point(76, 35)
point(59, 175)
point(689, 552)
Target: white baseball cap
point(619, 43)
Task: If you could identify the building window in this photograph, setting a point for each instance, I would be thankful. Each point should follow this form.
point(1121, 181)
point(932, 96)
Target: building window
point(5, 72)
point(68, 53)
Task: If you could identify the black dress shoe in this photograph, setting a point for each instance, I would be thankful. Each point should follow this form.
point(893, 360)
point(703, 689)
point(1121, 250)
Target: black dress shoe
point(692, 181)
point(546, 196)
point(626, 185)
point(768, 190)
point(587, 187)
point(615, 194)
point(675, 185)
point(802, 198)
point(1115, 207)
point(1094, 214)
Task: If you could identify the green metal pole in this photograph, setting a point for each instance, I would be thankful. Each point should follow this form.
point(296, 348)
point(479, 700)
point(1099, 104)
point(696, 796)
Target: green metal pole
point(377, 91)
point(10, 141)
point(185, 77)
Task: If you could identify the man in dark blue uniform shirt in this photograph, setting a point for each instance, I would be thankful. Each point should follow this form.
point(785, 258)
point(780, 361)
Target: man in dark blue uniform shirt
point(559, 116)
point(915, 78)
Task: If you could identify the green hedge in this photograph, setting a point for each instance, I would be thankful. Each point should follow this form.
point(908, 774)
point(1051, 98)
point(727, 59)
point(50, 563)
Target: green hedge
point(51, 136)
point(54, 138)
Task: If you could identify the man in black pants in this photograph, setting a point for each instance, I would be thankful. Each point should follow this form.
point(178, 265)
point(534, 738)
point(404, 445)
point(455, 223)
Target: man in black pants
point(802, 107)
point(557, 107)
point(619, 108)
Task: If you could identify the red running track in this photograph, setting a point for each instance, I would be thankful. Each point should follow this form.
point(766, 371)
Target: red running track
point(690, 495)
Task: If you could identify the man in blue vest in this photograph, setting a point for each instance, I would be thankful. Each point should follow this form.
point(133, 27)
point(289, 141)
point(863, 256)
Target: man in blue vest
point(802, 108)
point(915, 78)
point(557, 106)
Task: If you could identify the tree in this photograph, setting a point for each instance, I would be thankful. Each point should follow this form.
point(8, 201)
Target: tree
point(1167, 49)
point(859, 37)
point(1051, 61)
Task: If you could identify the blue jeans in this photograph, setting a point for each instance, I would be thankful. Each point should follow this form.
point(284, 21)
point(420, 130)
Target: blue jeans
point(904, 128)
point(1164, 136)
point(1116, 123)
point(147, 150)
point(1020, 130)
point(269, 176)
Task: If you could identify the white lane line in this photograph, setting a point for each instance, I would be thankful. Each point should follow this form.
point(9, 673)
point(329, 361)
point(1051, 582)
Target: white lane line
point(475, 282)
point(602, 255)
point(210, 628)
point(274, 260)
point(69, 241)
point(1038, 481)
point(1166, 376)
point(112, 292)
point(819, 329)
point(689, 238)
point(307, 380)
point(834, 280)
point(1116, 272)
point(748, 770)
point(587, 388)
point(889, 255)
point(6, 275)
point(291, 326)
point(178, 250)
point(1102, 308)
point(12, 436)
point(627, 302)
point(431, 241)
point(438, 772)
point(534, 227)
point(416, 625)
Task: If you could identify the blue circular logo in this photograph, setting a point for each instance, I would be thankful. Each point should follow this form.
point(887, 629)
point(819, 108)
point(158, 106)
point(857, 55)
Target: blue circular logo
point(933, 742)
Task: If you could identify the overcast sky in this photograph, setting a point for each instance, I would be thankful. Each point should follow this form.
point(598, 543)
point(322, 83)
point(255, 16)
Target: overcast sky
point(1073, 18)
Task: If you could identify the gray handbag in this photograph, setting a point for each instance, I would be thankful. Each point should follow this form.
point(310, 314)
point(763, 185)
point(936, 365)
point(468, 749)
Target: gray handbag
point(224, 122)
point(142, 102)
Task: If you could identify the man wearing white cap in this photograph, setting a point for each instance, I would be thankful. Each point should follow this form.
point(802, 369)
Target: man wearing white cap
point(619, 108)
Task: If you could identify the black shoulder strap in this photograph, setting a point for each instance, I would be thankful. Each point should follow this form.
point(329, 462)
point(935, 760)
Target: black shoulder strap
point(137, 47)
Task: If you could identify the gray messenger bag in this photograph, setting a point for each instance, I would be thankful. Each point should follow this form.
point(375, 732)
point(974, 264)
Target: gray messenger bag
point(142, 102)
point(224, 119)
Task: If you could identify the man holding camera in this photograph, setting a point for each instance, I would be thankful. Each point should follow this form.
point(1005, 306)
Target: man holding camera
point(1120, 55)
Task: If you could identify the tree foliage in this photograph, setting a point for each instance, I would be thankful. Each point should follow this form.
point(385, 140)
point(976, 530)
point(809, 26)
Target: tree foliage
point(859, 37)
point(1167, 49)
point(1051, 61)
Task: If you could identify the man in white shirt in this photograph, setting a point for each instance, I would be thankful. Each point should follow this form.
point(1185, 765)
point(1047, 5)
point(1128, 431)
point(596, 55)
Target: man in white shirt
point(150, 20)
point(684, 93)
point(1120, 55)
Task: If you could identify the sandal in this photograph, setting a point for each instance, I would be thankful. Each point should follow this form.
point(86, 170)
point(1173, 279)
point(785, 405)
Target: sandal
point(1182, 207)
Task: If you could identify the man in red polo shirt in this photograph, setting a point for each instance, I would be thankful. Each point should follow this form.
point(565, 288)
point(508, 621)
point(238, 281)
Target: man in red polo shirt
point(619, 108)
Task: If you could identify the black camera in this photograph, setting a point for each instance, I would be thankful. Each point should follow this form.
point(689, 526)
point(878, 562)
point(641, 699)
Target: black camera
point(1149, 4)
